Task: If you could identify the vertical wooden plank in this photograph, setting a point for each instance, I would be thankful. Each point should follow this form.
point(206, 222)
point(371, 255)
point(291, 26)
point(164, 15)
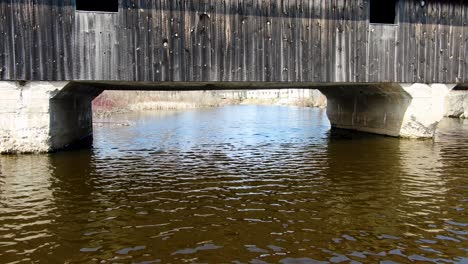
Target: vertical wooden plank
point(54, 33)
point(177, 52)
point(421, 44)
point(236, 45)
point(297, 42)
point(413, 44)
point(243, 18)
point(122, 38)
point(464, 45)
point(456, 16)
point(267, 41)
point(443, 31)
point(350, 19)
point(391, 60)
point(96, 56)
point(370, 55)
point(291, 40)
point(7, 35)
point(186, 36)
point(3, 36)
point(227, 47)
point(146, 44)
point(284, 46)
point(406, 62)
point(261, 20)
point(205, 36)
point(277, 40)
point(18, 39)
point(316, 55)
point(339, 43)
point(159, 43)
point(323, 40)
point(305, 54)
point(326, 40)
point(67, 39)
point(142, 41)
point(214, 36)
point(362, 41)
point(196, 42)
point(220, 25)
point(460, 40)
point(77, 53)
point(437, 30)
point(150, 31)
point(27, 14)
point(430, 31)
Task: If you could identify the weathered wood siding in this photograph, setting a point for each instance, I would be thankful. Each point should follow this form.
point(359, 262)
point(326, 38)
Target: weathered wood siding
point(234, 40)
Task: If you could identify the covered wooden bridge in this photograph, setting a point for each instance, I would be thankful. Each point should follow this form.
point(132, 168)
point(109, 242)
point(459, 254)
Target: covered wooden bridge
point(382, 64)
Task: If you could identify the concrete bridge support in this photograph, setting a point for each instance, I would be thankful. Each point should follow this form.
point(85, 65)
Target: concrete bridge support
point(400, 110)
point(456, 103)
point(44, 116)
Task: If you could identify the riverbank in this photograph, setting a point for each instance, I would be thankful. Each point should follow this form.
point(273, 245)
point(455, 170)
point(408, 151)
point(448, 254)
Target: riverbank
point(119, 102)
point(302, 102)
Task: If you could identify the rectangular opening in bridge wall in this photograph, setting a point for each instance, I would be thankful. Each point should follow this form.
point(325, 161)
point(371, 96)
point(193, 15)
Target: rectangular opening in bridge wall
point(383, 11)
point(97, 5)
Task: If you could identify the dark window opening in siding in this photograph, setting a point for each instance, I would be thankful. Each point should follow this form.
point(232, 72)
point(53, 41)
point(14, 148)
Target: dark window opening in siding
point(383, 11)
point(98, 5)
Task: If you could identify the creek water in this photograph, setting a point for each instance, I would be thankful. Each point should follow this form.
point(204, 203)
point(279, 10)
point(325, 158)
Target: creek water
point(238, 184)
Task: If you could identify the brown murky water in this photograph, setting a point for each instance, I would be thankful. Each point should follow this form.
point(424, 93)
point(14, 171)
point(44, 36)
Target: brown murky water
point(239, 184)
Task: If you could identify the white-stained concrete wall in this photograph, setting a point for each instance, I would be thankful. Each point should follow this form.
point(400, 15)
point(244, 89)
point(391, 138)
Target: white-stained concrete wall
point(456, 104)
point(400, 110)
point(426, 109)
point(43, 116)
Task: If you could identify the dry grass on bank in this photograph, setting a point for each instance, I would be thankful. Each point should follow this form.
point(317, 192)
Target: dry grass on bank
point(115, 102)
point(320, 101)
point(112, 102)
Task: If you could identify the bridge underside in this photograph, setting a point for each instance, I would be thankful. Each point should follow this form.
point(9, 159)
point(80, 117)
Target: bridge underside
point(48, 116)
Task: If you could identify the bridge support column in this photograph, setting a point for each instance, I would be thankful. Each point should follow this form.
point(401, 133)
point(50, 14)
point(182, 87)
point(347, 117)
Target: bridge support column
point(44, 116)
point(456, 104)
point(400, 110)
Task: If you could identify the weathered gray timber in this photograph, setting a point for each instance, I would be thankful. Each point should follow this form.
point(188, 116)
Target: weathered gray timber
point(313, 41)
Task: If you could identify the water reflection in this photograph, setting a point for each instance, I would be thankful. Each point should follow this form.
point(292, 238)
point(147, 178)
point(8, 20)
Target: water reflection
point(238, 184)
point(27, 207)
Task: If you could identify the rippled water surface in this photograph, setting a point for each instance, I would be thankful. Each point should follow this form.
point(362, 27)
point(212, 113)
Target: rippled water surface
point(238, 184)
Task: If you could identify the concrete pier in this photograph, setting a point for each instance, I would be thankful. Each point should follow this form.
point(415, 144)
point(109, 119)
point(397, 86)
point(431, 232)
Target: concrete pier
point(44, 116)
point(400, 110)
point(456, 104)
